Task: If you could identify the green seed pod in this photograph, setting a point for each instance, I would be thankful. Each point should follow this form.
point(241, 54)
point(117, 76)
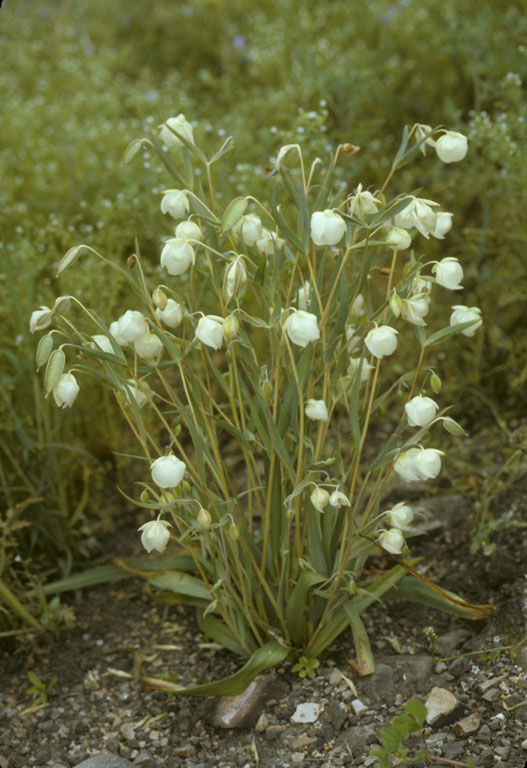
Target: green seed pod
point(435, 383)
point(62, 305)
point(54, 369)
point(44, 349)
point(204, 518)
point(234, 532)
point(145, 495)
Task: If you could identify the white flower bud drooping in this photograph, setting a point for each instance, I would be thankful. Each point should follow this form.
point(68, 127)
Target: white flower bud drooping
point(400, 516)
point(171, 315)
point(353, 367)
point(181, 126)
point(302, 327)
point(443, 225)
point(231, 326)
point(235, 278)
point(316, 410)
point(358, 306)
point(449, 273)
point(249, 227)
point(177, 256)
point(204, 517)
point(405, 466)
point(327, 227)
point(398, 238)
point(462, 314)
point(418, 464)
point(419, 214)
point(319, 498)
point(339, 499)
point(66, 390)
point(114, 330)
point(155, 535)
point(304, 296)
point(451, 147)
point(131, 326)
point(420, 411)
point(188, 230)
point(167, 471)
point(133, 392)
point(149, 346)
point(40, 319)
point(381, 341)
point(175, 202)
point(392, 541)
point(413, 310)
point(210, 331)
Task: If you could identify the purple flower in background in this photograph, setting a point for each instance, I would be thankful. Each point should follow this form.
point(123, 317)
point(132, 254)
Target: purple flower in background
point(239, 42)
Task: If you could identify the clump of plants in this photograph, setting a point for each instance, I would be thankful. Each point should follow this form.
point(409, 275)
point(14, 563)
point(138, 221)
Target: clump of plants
point(265, 352)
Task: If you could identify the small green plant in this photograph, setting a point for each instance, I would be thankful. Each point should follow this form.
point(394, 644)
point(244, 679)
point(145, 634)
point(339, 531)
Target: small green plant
point(39, 689)
point(431, 639)
point(306, 667)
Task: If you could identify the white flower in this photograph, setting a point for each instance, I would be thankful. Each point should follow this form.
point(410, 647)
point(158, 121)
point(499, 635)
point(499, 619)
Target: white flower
point(235, 278)
point(177, 256)
point(175, 202)
point(381, 341)
point(399, 238)
point(268, 241)
point(392, 541)
point(319, 498)
point(419, 214)
point(167, 471)
point(421, 131)
point(316, 410)
point(210, 331)
point(66, 390)
point(363, 204)
point(134, 392)
point(400, 516)
point(339, 499)
point(352, 338)
point(405, 466)
point(451, 147)
point(188, 230)
point(327, 227)
point(358, 307)
point(103, 342)
point(155, 535)
point(353, 367)
point(249, 227)
point(302, 327)
point(462, 314)
point(171, 315)
point(449, 273)
point(114, 331)
point(420, 411)
point(443, 224)
point(131, 326)
point(418, 464)
point(149, 346)
point(40, 319)
point(421, 285)
point(304, 296)
point(181, 126)
point(413, 310)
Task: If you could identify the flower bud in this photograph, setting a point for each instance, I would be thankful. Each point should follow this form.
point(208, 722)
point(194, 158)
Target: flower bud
point(381, 341)
point(235, 278)
point(188, 230)
point(449, 273)
point(132, 326)
point(175, 202)
point(316, 410)
point(167, 471)
point(398, 238)
point(145, 495)
point(114, 331)
point(352, 338)
point(420, 411)
point(353, 367)
point(413, 310)
point(103, 342)
point(358, 307)
point(159, 298)
point(392, 541)
point(155, 535)
point(177, 256)
point(327, 227)
point(395, 303)
point(210, 331)
point(302, 327)
point(267, 243)
point(40, 319)
point(171, 315)
point(181, 126)
point(400, 516)
point(462, 314)
point(149, 346)
point(249, 227)
point(303, 296)
point(267, 389)
point(204, 518)
point(339, 499)
point(131, 261)
point(66, 390)
point(435, 383)
point(443, 225)
point(428, 463)
point(405, 466)
point(234, 532)
point(138, 395)
point(451, 147)
point(231, 326)
point(62, 305)
point(319, 498)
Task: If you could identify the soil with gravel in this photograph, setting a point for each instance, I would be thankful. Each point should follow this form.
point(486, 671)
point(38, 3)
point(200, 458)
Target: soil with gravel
point(98, 706)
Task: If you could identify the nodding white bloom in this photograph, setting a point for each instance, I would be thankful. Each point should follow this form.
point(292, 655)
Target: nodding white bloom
point(400, 516)
point(231, 326)
point(421, 131)
point(304, 296)
point(358, 307)
point(392, 541)
point(363, 204)
point(268, 241)
point(188, 230)
point(405, 466)
point(249, 227)
point(339, 499)
point(177, 256)
point(302, 327)
point(171, 315)
point(175, 202)
point(421, 285)
point(131, 326)
point(319, 498)
point(316, 410)
point(167, 471)
point(398, 238)
point(413, 310)
point(133, 392)
point(451, 147)
point(353, 367)
point(66, 390)
point(352, 338)
point(210, 331)
point(235, 278)
point(449, 273)
point(443, 224)
point(462, 314)
point(40, 319)
point(381, 341)
point(420, 411)
point(149, 346)
point(327, 227)
point(114, 330)
point(155, 535)
point(418, 464)
point(103, 342)
point(181, 126)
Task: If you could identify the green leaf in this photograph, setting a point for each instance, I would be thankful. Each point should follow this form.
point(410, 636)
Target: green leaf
point(417, 709)
point(418, 591)
point(217, 630)
point(284, 228)
point(365, 661)
point(226, 147)
point(295, 611)
point(402, 147)
point(440, 336)
point(182, 584)
point(233, 213)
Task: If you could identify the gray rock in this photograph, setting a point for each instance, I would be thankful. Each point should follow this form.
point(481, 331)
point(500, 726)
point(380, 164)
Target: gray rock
point(145, 760)
point(105, 761)
point(359, 738)
point(380, 685)
point(468, 725)
point(453, 750)
point(451, 641)
point(244, 710)
point(459, 666)
point(503, 752)
point(413, 673)
point(443, 707)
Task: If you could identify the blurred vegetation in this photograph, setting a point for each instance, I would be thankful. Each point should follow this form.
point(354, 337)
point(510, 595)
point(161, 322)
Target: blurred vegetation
point(79, 80)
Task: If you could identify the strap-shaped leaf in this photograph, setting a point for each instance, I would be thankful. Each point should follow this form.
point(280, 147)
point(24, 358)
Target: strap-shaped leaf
point(419, 591)
point(295, 611)
point(365, 660)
